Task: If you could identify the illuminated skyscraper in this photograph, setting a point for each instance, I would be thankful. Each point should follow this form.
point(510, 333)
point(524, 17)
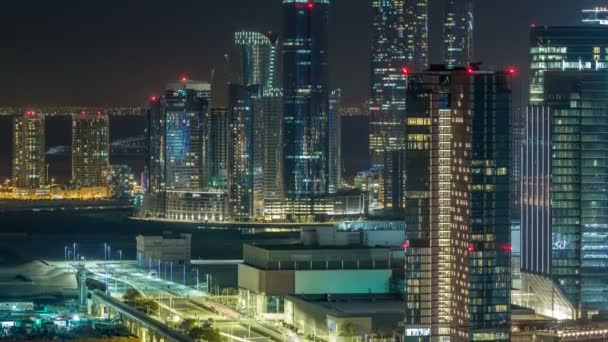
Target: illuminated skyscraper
point(335, 143)
point(457, 206)
point(29, 168)
point(387, 102)
point(458, 33)
point(306, 98)
point(90, 149)
point(417, 34)
point(564, 203)
point(217, 150)
point(257, 53)
point(273, 144)
point(242, 108)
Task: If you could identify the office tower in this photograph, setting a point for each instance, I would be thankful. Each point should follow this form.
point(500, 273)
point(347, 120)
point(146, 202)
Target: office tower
point(595, 16)
point(457, 212)
point(29, 168)
point(387, 102)
point(458, 33)
point(273, 144)
point(306, 98)
point(90, 149)
point(217, 150)
point(257, 53)
point(564, 168)
point(335, 140)
point(241, 114)
point(417, 34)
point(155, 143)
point(565, 48)
point(180, 116)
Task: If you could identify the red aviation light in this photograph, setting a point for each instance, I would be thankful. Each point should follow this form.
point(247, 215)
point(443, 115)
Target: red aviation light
point(470, 70)
point(310, 5)
point(405, 71)
point(507, 248)
point(471, 249)
point(153, 98)
point(512, 71)
point(83, 113)
point(406, 245)
point(184, 78)
point(30, 113)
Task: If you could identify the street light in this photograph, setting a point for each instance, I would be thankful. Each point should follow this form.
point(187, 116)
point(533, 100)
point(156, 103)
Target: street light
point(74, 251)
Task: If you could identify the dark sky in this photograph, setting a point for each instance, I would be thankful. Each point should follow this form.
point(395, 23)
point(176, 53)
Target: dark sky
point(97, 52)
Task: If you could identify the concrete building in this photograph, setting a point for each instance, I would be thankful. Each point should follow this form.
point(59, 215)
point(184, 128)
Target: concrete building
point(269, 273)
point(198, 206)
point(166, 248)
point(90, 149)
point(344, 317)
point(29, 168)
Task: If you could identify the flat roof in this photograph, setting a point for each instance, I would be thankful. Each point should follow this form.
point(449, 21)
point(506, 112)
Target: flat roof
point(355, 304)
point(296, 247)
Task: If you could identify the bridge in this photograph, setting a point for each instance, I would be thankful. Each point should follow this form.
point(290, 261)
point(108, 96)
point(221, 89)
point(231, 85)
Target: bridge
point(141, 325)
point(74, 110)
point(130, 146)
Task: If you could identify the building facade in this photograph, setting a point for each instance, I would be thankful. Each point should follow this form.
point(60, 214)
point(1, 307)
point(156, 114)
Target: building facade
point(335, 141)
point(417, 34)
point(90, 149)
point(217, 150)
point(458, 27)
point(457, 206)
point(563, 206)
point(306, 98)
point(257, 56)
point(273, 145)
point(28, 162)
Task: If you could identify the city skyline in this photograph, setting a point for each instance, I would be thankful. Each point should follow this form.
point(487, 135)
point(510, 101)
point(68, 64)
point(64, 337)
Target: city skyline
point(106, 56)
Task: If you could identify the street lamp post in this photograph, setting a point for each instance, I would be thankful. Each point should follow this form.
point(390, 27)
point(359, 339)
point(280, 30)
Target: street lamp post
point(74, 251)
point(105, 251)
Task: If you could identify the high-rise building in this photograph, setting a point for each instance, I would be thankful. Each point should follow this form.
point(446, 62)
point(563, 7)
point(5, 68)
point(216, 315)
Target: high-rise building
point(258, 54)
point(389, 69)
point(217, 150)
point(90, 149)
point(273, 144)
point(458, 28)
point(417, 34)
point(176, 137)
point(335, 141)
point(564, 168)
point(306, 98)
point(457, 213)
point(243, 102)
point(29, 168)
point(565, 48)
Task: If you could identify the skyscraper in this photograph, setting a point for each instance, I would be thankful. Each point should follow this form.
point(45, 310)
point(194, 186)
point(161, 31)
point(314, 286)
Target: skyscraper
point(457, 212)
point(389, 68)
point(241, 121)
point(458, 33)
point(565, 48)
point(306, 98)
point(90, 149)
point(335, 143)
point(29, 168)
point(417, 34)
point(273, 145)
point(564, 168)
point(257, 53)
point(217, 150)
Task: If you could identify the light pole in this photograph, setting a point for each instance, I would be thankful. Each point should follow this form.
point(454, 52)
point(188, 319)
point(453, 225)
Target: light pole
point(120, 254)
point(74, 251)
point(171, 272)
point(105, 251)
point(197, 283)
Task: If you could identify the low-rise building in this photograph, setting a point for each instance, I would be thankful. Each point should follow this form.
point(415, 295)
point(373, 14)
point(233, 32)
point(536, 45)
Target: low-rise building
point(166, 248)
point(344, 317)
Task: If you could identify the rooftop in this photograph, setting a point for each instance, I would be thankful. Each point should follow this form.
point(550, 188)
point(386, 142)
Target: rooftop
point(355, 305)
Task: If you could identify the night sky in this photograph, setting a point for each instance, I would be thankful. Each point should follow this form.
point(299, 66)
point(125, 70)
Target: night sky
point(120, 52)
point(98, 52)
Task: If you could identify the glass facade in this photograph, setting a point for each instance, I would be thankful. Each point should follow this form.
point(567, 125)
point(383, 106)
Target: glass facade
point(565, 48)
point(458, 32)
point(306, 98)
point(417, 34)
point(257, 57)
point(457, 206)
point(28, 162)
point(335, 140)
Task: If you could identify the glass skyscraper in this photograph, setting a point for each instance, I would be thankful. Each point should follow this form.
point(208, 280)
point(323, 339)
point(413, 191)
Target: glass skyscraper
point(565, 48)
point(273, 144)
point(389, 68)
point(457, 206)
point(28, 163)
point(90, 149)
point(417, 34)
point(458, 30)
point(257, 58)
point(564, 172)
point(217, 150)
point(306, 98)
point(335, 141)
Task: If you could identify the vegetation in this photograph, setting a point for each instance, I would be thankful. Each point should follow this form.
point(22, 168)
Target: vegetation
point(135, 299)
